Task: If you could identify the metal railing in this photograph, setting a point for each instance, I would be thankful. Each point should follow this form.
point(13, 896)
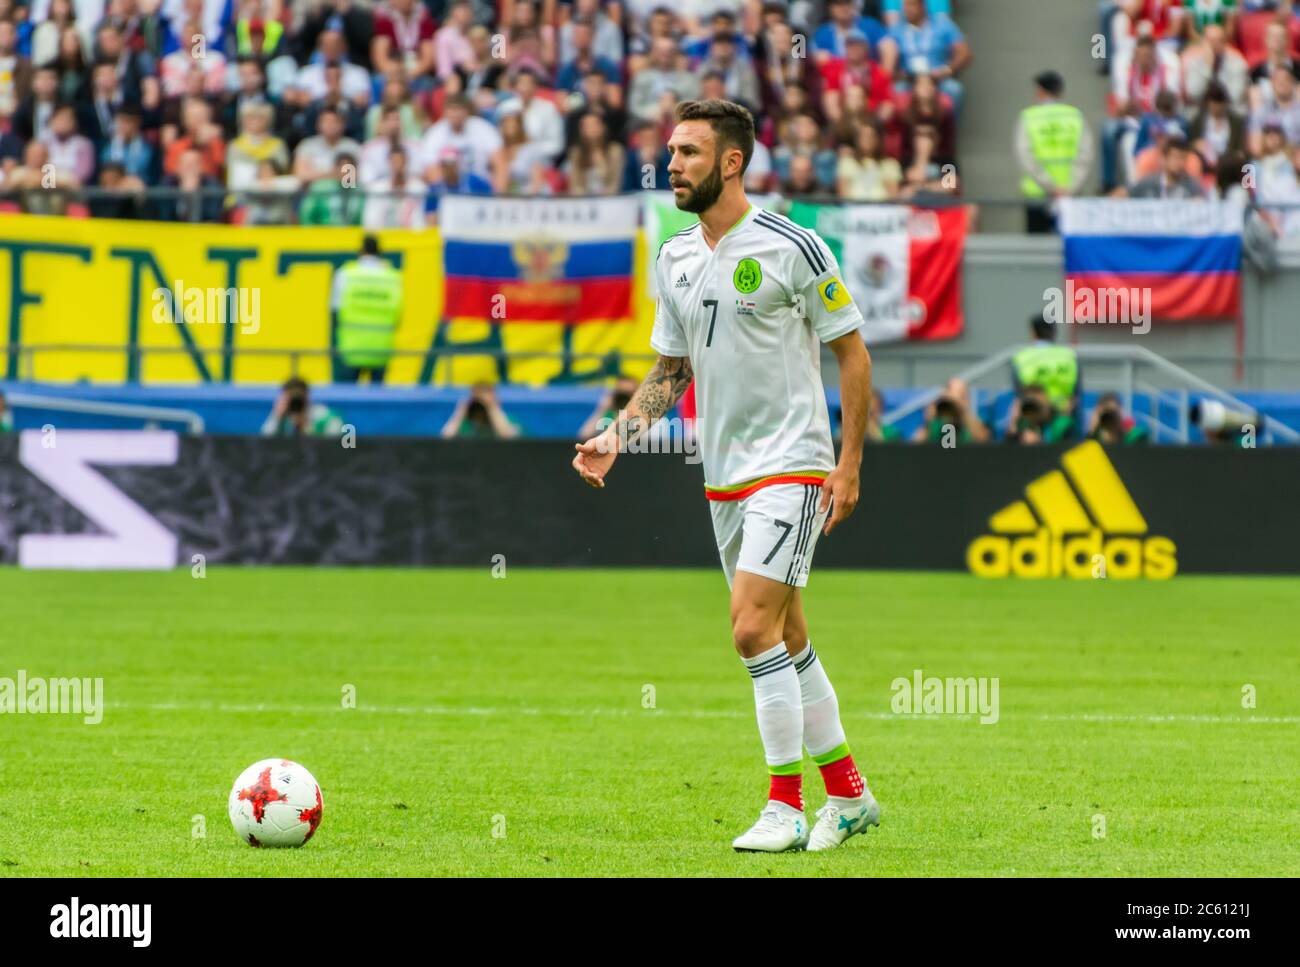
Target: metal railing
point(151, 416)
point(1131, 362)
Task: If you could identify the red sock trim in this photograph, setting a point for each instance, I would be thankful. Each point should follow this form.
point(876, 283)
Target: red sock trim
point(842, 778)
point(787, 789)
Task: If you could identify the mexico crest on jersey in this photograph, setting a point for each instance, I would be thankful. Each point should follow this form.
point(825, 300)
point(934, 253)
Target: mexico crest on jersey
point(748, 276)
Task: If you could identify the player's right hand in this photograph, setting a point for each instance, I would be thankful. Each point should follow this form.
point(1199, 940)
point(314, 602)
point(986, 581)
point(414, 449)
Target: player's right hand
point(594, 458)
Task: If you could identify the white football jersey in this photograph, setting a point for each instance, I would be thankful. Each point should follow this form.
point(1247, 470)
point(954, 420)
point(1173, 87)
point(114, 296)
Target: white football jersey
point(751, 314)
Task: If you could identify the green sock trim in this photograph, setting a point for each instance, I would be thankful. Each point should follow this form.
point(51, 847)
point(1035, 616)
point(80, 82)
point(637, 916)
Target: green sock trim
point(789, 769)
point(835, 755)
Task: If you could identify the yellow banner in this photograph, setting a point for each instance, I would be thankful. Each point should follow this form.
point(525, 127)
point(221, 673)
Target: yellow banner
point(235, 304)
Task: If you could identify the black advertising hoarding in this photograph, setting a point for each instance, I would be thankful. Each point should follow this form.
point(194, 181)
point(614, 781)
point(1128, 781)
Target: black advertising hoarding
point(96, 499)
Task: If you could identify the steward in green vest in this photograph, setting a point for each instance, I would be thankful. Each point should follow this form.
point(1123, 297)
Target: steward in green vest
point(1055, 148)
point(368, 300)
point(1054, 369)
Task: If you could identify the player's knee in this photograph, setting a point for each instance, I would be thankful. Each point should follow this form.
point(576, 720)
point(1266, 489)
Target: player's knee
point(795, 634)
point(753, 632)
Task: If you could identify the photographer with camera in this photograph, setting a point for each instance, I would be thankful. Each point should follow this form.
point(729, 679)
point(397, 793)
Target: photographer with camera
point(1033, 419)
point(1222, 426)
point(1054, 370)
point(479, 416)
point(952, 409)
point(1110, 425)
point(294, 414)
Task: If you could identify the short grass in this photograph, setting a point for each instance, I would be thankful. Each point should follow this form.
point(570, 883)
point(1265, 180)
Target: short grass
point(500, 725)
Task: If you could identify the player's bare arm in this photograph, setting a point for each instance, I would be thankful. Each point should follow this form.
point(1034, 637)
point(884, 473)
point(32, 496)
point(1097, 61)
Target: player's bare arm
point(657, 394)
point(855, 399)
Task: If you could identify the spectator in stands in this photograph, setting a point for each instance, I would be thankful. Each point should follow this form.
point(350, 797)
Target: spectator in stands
point(310, 84)
point(845, 20)
point(479, 416)
point(1054, 145)
point(1174, 179)
point(740, 80)
point(662, 75)
point(452, 177)
point(584, 58)
point(15, 70)
point(270, 201)
point(542, 119)
point(305, 122)
point(926, 106)
point(518, 167)
point(1138, 79)
point(595, 163)
point(1276, 104)
point(1217, 130)
point(1277, 182)
point(394, 97)
point(1152, 159)
point(856, 69)
point(193, 55)
point(317, 158)
point(404, 39)
point(60, 16)
point(294, 413)
point(136, 69)
point(800, 137)
point(397, 198)
point(930, 173)
point(334, 200)
point(32, 116)
point(800, 178)
point(473, 138)
point(596, 95)
point(1277, 53)
point(951, 419)
point(611, 404)
point(865, 172)
point(607, 33)
point(1050, 369)
point(71, 154)
point(451, 44)
point(784, 66)
point(257, 32)
point(1214, 60)
point(128, 147)
point(933, 46)
point(387, 138)
point(198, 133)
point(647, 162)
point(722, 24)
point(251, 89)
point(71, 65)
point(1110, 425)
point(122, 194)
point(96, 108)
point(199, 198)
point(255, 144)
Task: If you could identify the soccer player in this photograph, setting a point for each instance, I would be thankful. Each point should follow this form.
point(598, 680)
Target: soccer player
point(745, 297)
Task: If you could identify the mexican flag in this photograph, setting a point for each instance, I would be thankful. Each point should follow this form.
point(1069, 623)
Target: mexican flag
point(902, 265)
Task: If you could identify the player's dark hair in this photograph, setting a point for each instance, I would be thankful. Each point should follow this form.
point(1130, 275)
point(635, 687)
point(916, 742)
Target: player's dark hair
point(733, 125)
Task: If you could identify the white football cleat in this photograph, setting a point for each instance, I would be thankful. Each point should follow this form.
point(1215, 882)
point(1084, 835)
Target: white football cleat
point(780, 827)
point(841, 818)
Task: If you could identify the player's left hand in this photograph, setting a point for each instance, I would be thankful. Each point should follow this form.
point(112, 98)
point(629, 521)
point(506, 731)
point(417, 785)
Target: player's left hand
point(840, 494)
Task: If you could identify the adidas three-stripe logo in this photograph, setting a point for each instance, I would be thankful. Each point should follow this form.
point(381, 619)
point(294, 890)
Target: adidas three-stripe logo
point(683, 282)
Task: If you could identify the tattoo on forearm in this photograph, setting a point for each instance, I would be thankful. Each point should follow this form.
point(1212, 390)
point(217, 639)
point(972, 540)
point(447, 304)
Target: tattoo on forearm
point(657, 394)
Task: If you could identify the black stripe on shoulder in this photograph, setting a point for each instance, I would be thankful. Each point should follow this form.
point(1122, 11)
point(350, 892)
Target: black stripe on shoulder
point(684, 231)
point(804, 244)
point(814, 242)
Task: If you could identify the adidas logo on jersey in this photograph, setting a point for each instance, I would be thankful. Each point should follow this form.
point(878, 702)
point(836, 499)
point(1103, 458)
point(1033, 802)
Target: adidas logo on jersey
point(1082, 523)
point(683, 282)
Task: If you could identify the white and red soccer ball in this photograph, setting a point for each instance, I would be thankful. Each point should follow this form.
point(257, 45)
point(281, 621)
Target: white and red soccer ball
point(275, 802)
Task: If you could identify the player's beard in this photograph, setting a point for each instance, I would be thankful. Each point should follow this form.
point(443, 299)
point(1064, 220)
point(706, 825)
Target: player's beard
point(701, 197)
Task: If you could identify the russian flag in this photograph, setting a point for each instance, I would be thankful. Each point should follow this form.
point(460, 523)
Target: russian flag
point(539, 259)
point(1187, 254)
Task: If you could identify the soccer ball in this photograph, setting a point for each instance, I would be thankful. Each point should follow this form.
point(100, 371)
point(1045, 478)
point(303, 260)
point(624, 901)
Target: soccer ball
point(275, 802)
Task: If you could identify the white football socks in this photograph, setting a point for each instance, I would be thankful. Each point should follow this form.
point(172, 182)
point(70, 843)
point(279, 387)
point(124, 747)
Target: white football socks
point(822, 731)
point(776, 700)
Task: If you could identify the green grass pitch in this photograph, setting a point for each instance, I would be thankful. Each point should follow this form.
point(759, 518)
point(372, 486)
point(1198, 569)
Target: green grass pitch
point(500, 726)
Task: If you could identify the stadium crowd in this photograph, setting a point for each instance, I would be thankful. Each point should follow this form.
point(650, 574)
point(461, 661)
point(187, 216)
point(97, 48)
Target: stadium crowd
point(355, 112)
point(1202, 102)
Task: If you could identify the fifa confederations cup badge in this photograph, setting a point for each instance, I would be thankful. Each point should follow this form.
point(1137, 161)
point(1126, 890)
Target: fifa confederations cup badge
point(748, 276)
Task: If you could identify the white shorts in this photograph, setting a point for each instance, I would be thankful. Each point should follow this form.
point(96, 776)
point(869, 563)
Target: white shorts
point(771, 532)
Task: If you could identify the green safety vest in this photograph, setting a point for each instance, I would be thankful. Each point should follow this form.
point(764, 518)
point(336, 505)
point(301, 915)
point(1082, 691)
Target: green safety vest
point(1054, 133)
point(370, 307)
point(1054, 368)
point(271, 32)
